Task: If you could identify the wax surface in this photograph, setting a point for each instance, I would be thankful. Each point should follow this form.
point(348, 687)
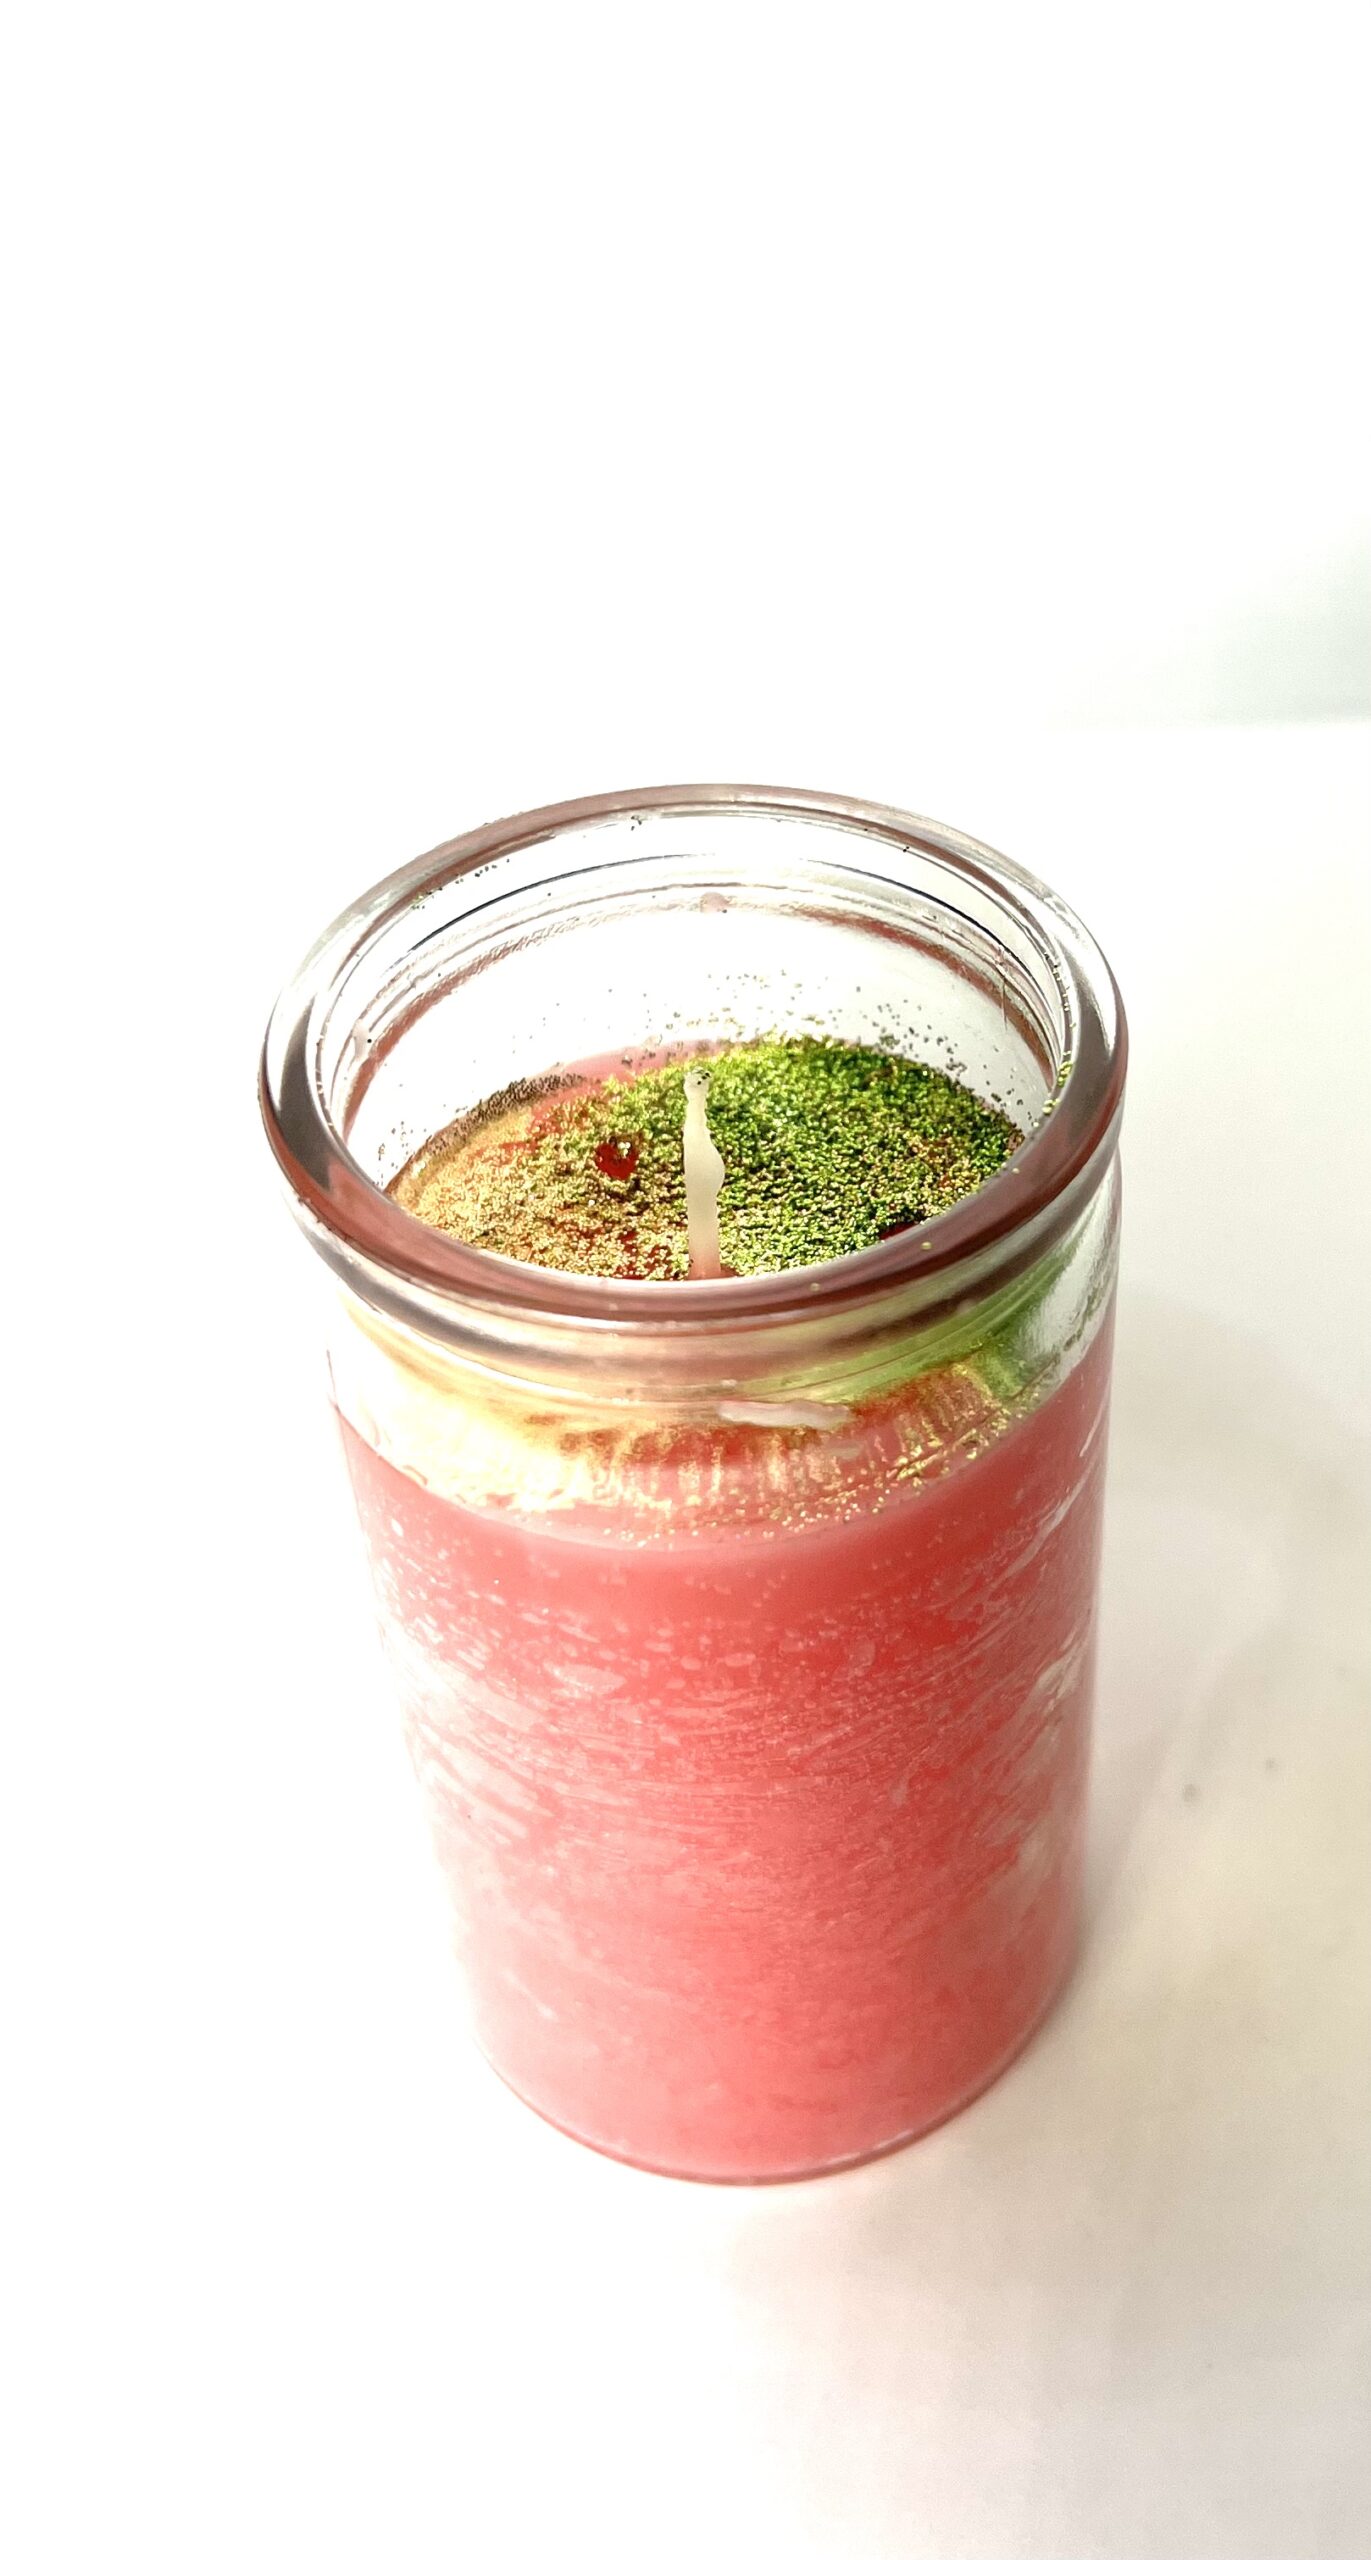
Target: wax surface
point(825, 1147)
point(763, 1837)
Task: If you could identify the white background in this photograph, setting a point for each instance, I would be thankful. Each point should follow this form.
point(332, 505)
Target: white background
point(418, 414)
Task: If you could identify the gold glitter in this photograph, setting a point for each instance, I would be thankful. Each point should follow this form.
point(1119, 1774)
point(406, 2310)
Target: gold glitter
point(827, 1147)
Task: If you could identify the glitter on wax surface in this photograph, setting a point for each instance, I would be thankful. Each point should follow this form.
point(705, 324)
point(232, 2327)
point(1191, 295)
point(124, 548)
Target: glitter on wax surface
point(827, 1148)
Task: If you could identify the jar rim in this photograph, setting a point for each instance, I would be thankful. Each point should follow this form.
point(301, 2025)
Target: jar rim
point(355, 1223)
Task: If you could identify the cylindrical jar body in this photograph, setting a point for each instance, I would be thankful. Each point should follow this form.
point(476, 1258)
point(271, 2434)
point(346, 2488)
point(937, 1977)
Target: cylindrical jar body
point(744, 1631)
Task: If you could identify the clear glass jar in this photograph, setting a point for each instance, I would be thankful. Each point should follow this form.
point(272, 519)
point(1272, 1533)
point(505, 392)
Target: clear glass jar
point(743, 1628)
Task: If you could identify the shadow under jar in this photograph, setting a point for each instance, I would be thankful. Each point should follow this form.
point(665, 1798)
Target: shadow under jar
point(744, 1629)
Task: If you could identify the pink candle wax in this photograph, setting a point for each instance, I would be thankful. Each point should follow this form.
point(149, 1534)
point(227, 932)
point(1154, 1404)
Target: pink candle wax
point(761, 1816)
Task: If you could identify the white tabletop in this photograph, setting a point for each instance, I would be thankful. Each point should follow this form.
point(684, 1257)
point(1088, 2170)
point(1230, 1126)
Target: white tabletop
point(297, 2276)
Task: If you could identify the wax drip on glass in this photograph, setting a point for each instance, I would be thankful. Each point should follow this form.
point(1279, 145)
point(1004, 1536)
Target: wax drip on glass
point(704, 1175)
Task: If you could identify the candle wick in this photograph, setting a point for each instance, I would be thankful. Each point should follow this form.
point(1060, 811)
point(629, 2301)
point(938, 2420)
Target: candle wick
point(704, 1174)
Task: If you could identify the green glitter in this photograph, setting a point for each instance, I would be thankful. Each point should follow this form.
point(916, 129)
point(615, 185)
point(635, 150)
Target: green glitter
point(827, 1148)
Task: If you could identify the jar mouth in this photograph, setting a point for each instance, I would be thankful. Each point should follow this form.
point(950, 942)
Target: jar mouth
point(319, 1061)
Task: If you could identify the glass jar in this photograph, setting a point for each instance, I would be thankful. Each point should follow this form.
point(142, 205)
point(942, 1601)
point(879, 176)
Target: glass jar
point(743, 1628)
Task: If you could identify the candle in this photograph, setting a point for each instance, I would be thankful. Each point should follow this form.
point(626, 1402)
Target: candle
point(743, 1625)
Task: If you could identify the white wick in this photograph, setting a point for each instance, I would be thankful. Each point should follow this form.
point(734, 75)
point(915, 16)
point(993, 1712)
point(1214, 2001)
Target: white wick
point(704, 1174)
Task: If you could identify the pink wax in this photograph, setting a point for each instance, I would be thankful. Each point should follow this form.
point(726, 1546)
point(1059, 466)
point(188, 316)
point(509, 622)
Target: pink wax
point(762, 1819)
